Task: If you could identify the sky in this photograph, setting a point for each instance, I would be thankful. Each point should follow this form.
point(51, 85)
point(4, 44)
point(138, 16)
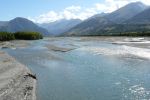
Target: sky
point(45, 11)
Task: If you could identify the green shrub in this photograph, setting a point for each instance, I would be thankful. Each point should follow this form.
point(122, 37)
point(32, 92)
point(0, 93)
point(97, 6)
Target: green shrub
point(28, 35)
point(6, 36)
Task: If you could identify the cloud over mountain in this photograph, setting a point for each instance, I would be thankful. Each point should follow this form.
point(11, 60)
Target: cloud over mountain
point(78, 12)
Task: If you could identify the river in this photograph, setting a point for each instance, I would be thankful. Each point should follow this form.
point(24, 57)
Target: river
point(90, 70)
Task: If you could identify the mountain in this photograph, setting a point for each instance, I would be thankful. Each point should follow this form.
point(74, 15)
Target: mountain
point(21, 24)
point(93, 25)
point(60, 26)
point(126, 12)
point(141, 18)
point(108, 23)
point(99, 15)
point(3, 23)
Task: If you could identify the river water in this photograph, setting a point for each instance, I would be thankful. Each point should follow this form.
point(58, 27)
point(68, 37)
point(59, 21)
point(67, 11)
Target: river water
point(93, 70)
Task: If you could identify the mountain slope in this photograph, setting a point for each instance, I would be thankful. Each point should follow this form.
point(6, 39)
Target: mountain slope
point(108, 23)
point(22, 24)
point(141, 18)
point(98, 15)
point(93, 26)
point(126, 12)
point(3, 23)
point(61, 26)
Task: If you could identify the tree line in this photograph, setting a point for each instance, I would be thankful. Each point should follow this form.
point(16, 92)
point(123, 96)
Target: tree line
point(6, 36)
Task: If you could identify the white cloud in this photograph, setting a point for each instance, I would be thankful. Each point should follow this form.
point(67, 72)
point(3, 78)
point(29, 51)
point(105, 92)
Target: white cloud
point(77, 12)
point(73, 8)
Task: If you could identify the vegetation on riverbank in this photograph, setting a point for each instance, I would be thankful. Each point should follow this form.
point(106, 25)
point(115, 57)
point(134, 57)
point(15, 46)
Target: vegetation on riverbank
point(28, 35)
point(128, 34)
point(134, 34)
point(6, 36)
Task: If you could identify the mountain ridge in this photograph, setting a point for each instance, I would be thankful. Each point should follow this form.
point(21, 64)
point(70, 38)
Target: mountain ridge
point(60, 26)
point(22, 24)
point(128, 11)
point(141, 18)
point(113, 21)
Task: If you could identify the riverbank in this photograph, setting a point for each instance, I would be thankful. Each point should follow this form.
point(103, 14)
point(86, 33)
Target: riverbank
point(16, 82)
point(140, 42)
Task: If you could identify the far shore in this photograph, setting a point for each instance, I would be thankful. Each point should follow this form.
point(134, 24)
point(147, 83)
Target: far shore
point(140, 42)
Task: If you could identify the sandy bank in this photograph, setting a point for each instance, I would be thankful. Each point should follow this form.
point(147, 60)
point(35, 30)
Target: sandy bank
point(15, 81)
point(15, 44)
point(140, 42)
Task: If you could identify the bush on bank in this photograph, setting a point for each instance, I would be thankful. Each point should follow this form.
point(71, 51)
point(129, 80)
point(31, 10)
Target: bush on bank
point(6, 36)
point(28, 35)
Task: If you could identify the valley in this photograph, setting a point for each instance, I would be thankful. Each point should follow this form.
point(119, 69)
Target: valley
point(97, 51)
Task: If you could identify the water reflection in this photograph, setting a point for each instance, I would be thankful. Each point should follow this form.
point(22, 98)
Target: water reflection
point(82, 75)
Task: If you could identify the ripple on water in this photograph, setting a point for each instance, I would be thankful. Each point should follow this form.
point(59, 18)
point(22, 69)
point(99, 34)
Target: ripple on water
point(119, 50)
point(138, 92)
point(80, 75)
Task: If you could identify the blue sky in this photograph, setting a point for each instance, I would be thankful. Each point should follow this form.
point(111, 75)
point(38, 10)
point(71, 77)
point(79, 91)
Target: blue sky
point(24, 8)
point(43, 11)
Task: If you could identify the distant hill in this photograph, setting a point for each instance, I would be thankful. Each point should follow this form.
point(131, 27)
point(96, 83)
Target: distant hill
point(21, 24)
point(60, 26)
point(109, 23)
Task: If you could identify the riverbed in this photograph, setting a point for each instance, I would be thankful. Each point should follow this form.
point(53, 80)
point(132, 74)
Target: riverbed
point(83, 68)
